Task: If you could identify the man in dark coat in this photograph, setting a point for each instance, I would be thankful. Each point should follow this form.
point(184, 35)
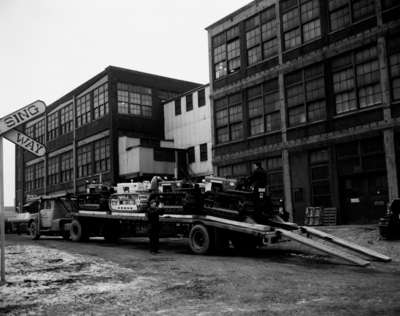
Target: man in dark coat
point(153, 213)
point(262, 201)
point(259, 177)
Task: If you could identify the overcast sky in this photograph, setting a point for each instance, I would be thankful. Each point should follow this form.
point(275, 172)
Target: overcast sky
point(49, 47)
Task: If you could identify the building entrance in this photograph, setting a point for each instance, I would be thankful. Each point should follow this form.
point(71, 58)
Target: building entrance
point(363, 198)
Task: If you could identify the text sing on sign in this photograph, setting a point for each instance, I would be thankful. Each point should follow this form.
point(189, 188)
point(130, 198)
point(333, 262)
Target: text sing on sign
point(22, 116)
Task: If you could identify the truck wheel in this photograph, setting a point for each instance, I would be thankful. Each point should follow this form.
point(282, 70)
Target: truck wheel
point(77, 231)
point(34, 230)
point(200, 241)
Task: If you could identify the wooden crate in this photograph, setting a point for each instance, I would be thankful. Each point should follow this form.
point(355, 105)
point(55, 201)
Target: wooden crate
point(313, 216)
point(329, 216)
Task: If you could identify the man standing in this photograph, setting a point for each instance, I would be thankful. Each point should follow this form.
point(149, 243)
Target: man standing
point(155, 181)
point(262, 201)
point(154, 225)
point(259, 176)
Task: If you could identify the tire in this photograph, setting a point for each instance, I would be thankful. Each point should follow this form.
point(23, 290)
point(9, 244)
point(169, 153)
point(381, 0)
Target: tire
point(200, 240)
point(34, 230)
point(78, 231)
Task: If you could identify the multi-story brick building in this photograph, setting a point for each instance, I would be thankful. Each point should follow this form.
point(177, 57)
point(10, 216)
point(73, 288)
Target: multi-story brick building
point(310, 88)
point(187, 121)
point(110, 127)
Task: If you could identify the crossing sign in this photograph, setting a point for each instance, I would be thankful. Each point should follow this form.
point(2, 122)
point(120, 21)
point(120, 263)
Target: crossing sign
point(21, 116)
point(7, 125)
point(25, 142)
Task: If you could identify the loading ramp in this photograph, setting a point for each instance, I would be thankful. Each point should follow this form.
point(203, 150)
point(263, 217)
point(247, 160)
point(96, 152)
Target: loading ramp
point(303, 235)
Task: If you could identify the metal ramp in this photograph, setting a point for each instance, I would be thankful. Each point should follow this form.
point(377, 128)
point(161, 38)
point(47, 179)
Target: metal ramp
point(306, 240)
point(345, 244)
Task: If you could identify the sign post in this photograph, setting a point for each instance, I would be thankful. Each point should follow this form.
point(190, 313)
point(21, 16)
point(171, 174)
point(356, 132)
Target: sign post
point(7, 125)
point(2, 226)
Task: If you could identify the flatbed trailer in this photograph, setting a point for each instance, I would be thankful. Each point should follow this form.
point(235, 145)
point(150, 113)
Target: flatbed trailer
point(207, 233)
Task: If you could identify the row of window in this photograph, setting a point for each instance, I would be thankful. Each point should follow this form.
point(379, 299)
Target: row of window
point(134, 100)
point(203, 153)
point(93, 158)
point(90, 106)
point(201, 101)
point(355, 80)
point(300, 24)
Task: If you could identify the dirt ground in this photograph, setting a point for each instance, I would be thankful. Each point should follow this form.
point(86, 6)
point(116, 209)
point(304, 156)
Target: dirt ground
point(56, 277)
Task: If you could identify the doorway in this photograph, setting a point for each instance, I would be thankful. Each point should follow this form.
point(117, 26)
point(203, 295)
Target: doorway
point(363, 198)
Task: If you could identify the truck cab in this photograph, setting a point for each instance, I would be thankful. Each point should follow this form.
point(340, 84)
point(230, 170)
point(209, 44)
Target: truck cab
point(53, 216)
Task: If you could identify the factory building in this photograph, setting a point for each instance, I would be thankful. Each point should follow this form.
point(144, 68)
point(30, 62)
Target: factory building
point(311, 89)
point(109, 129)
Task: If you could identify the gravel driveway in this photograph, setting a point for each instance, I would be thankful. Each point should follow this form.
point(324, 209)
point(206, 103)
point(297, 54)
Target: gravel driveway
point(56, 277)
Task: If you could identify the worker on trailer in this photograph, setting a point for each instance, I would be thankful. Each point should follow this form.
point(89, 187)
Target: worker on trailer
point(262, 201)
point(153, 213)
point(258, 178)
point(154, 184)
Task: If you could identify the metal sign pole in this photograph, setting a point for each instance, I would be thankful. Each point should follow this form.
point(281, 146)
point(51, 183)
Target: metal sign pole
point(2, 226)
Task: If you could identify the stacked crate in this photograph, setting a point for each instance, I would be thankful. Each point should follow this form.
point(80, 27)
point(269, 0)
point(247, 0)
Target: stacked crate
point(313, 216)
point(316, 216)
point(329, 216)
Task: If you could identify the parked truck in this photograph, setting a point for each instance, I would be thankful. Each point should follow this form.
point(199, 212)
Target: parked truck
point(225, 218)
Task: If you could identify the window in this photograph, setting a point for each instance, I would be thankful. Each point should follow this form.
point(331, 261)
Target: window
point(229, 118)
point(387, 4)
point(134, 100)
point(240, 170)
point(102, 155)
point(305, 95)
point(394, 64)
point(30, 131)
point(319, 171)
point(226, 52)
point(300, 22)
point(356, 80)
point(263, 107)
point(66, 167)
point(225, 171)
point(191, 156)
point(83, 113)
point(164, 154)
point(39, 175)
point(201, 97)
point(100, 101)
point(52, 126)
point(344, 12)
point(203, 152)
point(261, 38)
point(189, 102)
point(40, 131)
point(178, 109)
point(53, 171)
point(361, 156)
point(66, 115)
point(274, 176)
point(29, 178)
point(84, 157)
